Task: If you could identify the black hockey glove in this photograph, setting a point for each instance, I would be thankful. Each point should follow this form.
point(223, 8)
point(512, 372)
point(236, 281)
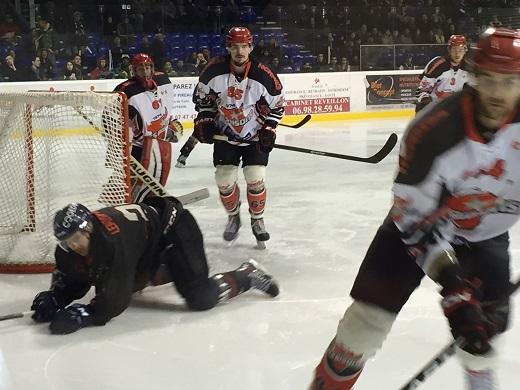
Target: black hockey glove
point(423, 103)
point(464, 313)
point(71, 319)
point(205, 129)
point(44, 306)
point(266, 138)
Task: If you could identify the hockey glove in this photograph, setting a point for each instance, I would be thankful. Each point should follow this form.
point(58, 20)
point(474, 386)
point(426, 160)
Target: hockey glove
point(175, 130)
point(266, 138)
point(205, 129)
point(71, 319)
point(463, 311)
point(44, 306)
point(422, 103)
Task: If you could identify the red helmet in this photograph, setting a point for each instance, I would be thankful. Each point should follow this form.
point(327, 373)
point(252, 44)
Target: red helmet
point(498, 50)
point(457, 40)
point(140, 59)
point(239, 35)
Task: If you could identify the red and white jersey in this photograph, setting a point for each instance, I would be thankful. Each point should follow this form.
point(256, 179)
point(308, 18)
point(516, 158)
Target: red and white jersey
point(441, 79)
point(149, 111)
point(240, 104)
point(456, 182)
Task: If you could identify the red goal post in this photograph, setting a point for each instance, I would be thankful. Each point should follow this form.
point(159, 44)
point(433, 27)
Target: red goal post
point(56, 148)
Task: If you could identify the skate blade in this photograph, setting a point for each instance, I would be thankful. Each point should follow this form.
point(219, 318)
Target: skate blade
point(229, 244)
point(179, 165)
point(260, 245)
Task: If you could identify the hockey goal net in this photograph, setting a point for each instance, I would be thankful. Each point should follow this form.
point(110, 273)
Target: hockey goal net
point(56, 148)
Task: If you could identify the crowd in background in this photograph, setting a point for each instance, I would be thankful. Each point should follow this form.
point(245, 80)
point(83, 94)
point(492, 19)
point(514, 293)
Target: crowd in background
point(70, 40)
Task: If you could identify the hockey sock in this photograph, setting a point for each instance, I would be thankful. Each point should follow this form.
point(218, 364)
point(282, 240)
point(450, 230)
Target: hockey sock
point(256, 197)
point(231, 199)
point(188, 146)
point(233, 283)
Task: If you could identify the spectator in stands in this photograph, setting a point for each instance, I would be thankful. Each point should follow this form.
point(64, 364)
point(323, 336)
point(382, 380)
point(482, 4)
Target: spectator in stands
point(201, 63)
point(275, 65)
point(101, 71)
point(79, 36)
point(206, 53)
point(158, 50)
point(407, 64)
point(406, 37)
point(145, 47)
point(46, 65)
point(125, 30)
point(168, 69)
point(45, 38)
point(260, 52)
point(306, 68)
point(183, 69)
point(274, 49)
point(344, 65)
point(387, 38)
point(438, 36)
point(320, 63)
point(9, 71)
point(9, 30)
point(117, 51)
point(34, 72)
point(125, 63)
point(78, 69)
point(68, 72)
point(109, 27)
point(192, 58)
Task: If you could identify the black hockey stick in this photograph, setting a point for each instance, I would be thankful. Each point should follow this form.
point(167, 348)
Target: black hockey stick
point(440, 358)
point(374, 159)
point(299, 124)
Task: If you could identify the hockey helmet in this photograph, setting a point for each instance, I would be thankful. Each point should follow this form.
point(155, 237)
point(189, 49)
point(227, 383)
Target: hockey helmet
point(69, 220)
point(143, 59)
point(239, 35)
point(498, 50)
point(457, 40)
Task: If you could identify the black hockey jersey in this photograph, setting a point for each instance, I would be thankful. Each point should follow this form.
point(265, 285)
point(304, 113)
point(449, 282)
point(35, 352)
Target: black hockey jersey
point(241, 104)
point(453, 185)
point(124, 249)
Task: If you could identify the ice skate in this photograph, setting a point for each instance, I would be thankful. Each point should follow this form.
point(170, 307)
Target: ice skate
point(181, 161)
point(260, 279)
point(232, 227)
point(261, 235)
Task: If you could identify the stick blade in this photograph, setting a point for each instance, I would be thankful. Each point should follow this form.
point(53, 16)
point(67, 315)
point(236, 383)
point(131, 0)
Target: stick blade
point(385, 150)
point(194, 196)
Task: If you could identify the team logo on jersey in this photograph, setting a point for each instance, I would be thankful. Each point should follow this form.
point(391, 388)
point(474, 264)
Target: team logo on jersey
point(496, 170)
point(235, 117)
point(159, 123)
point(466, 211)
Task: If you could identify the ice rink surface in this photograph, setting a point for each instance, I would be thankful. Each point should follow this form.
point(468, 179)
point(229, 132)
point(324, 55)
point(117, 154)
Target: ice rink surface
point(321, 214)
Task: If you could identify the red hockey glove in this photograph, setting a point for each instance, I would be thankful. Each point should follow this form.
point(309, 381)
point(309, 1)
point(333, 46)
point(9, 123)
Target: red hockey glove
point(462, 309)
point(266, 138)
point(205, 129)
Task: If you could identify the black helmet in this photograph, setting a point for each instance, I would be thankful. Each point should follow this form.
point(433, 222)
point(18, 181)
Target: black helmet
point(70, 219)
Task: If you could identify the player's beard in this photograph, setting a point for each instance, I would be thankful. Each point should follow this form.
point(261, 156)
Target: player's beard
point(239, 62)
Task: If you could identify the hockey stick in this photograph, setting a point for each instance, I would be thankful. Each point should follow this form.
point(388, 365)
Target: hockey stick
point(15, 315)
point(138, 171)
point(374, 159)
point(299, 124)
point(441, 357)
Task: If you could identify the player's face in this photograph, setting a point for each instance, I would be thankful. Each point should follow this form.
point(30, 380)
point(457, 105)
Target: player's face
point(79, 242)
point(498, 94)
point(457, 53)
point(239, 53)
point(144, 71)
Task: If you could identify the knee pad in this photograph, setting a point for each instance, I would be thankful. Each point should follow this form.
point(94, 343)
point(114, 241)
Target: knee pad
point(255, 177)
point(203, 297)
point(363, 329)
point(226, 177)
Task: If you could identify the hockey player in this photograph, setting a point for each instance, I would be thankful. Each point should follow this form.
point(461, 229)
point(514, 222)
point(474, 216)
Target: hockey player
point(151, 119)
point(445, 75)
point(242, 99)
point(122, 249)
point(456, 195)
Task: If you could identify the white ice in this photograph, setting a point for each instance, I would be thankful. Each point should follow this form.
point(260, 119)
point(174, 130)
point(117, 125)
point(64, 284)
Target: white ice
point(322, 214)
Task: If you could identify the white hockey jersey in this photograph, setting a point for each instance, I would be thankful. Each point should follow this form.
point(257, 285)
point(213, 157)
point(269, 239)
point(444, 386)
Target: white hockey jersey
point(440, 79)
point(149, 112)
point(453, 186)
point(239, 104)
